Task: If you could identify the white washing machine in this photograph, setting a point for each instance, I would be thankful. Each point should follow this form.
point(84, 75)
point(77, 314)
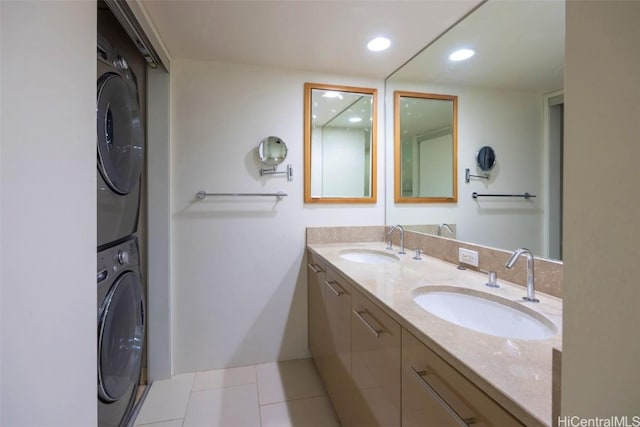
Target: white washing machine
point(120, 140)
point(121, 324)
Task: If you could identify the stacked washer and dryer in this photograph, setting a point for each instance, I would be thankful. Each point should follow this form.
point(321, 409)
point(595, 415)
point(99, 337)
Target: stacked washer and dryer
point(121, 300)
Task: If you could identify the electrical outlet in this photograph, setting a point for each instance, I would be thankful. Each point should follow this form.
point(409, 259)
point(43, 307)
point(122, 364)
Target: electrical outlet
point(468, 256)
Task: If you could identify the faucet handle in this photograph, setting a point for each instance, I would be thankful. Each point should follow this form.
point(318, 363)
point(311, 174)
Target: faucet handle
point(417, 256)
point(389, 245)
point(493, 280)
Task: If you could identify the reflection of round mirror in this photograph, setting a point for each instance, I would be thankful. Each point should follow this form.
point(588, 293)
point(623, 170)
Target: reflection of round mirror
point(272, 150)
point(486, 158)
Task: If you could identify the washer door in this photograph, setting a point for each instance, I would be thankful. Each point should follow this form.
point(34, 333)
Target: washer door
point(120, 337)
point(120, 134)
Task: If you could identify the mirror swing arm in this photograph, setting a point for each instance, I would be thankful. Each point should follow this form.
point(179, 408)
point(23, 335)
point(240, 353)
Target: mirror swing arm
point(468, 176)
point(274, 171)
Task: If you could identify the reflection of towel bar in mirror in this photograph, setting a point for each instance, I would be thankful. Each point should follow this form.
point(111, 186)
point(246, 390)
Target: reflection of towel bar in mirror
point(273, 171)
point(525, 195)
point(201, 194)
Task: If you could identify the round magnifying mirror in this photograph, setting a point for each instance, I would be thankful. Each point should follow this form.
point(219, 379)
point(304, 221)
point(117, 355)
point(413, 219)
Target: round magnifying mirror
point(272, 150)
point(486, 158)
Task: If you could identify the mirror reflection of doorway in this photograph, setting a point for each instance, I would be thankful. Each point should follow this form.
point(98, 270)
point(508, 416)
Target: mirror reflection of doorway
point(435, 157)
point(556, 143)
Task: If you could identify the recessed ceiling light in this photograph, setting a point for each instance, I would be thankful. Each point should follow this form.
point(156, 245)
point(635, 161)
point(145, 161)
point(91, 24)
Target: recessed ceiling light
point(332, 94)
point(461, 54)
point(378, 44)
point(355, 119)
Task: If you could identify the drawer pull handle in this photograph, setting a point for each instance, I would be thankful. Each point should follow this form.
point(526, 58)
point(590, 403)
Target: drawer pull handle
point(360, 314)
point(315, 267)
point(334, 290)
point(461, 421)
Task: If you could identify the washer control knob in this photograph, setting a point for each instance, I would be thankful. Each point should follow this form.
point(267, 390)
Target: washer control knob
point(123, 257)
point(121, 63)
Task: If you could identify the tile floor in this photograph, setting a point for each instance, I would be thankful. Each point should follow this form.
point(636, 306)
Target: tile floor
point(285, 394)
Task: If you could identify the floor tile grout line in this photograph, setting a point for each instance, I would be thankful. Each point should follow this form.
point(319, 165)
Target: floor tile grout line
point(295, 400)
point(222, 386)
point(255, 370)
point(162, 421)
point(255, 380)
point(258, 399)
point(186, 408)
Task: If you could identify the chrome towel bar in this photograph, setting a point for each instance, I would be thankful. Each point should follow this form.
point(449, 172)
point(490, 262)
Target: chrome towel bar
point(201, 194)
point(525, 195)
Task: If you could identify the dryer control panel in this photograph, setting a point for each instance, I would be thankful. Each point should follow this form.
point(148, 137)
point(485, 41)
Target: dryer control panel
point(119, 257)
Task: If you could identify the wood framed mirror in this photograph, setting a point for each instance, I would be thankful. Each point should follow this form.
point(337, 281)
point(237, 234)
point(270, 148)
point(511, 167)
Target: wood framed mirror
point(340, 134)
point(425, 148)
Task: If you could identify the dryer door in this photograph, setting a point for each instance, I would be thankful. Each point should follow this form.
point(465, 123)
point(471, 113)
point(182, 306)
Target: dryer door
point(120, 134)
point(120, 337)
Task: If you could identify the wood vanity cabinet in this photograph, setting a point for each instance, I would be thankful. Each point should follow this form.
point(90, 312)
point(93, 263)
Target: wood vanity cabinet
point(329, 302)
point(337, 377)
point(435, 394)
point(377, 373)
point(317, 323)
point(375, 365)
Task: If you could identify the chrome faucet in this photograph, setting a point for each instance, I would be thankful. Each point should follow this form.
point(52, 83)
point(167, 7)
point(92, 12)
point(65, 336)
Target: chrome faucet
point(441, 226)
point(401, 228)
point(531, 294)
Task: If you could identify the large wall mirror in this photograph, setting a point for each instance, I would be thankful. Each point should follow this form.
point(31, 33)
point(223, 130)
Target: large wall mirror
point(425, 148)
point(339, 144)
point(510, 98)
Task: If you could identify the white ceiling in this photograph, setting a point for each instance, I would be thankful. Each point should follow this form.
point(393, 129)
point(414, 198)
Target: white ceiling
point(327, 36)
point(519, 46)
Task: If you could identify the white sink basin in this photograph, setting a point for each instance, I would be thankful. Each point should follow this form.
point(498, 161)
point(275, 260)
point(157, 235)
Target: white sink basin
point(368, 256)
point(483, 312)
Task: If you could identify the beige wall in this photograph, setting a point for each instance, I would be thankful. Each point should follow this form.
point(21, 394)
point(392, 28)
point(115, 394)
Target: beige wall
point(601, 358)
point(238, 277)
point(48, 216)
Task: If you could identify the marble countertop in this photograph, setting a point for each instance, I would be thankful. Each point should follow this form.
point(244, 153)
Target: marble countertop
point(515, 373)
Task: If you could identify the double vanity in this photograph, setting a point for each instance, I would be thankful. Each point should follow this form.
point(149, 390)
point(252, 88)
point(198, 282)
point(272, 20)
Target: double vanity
point(411, 340)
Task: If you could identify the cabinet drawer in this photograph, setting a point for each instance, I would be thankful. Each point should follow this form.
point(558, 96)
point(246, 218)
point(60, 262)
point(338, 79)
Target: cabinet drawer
point(435, 394)
point(315, 264)
point(337, 377)
point(375, 364)
point(316, 311)
point(335, 284)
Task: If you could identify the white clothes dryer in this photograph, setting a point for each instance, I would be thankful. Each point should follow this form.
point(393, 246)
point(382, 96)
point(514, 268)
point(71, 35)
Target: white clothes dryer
point(121, 144)
point(121, 328)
